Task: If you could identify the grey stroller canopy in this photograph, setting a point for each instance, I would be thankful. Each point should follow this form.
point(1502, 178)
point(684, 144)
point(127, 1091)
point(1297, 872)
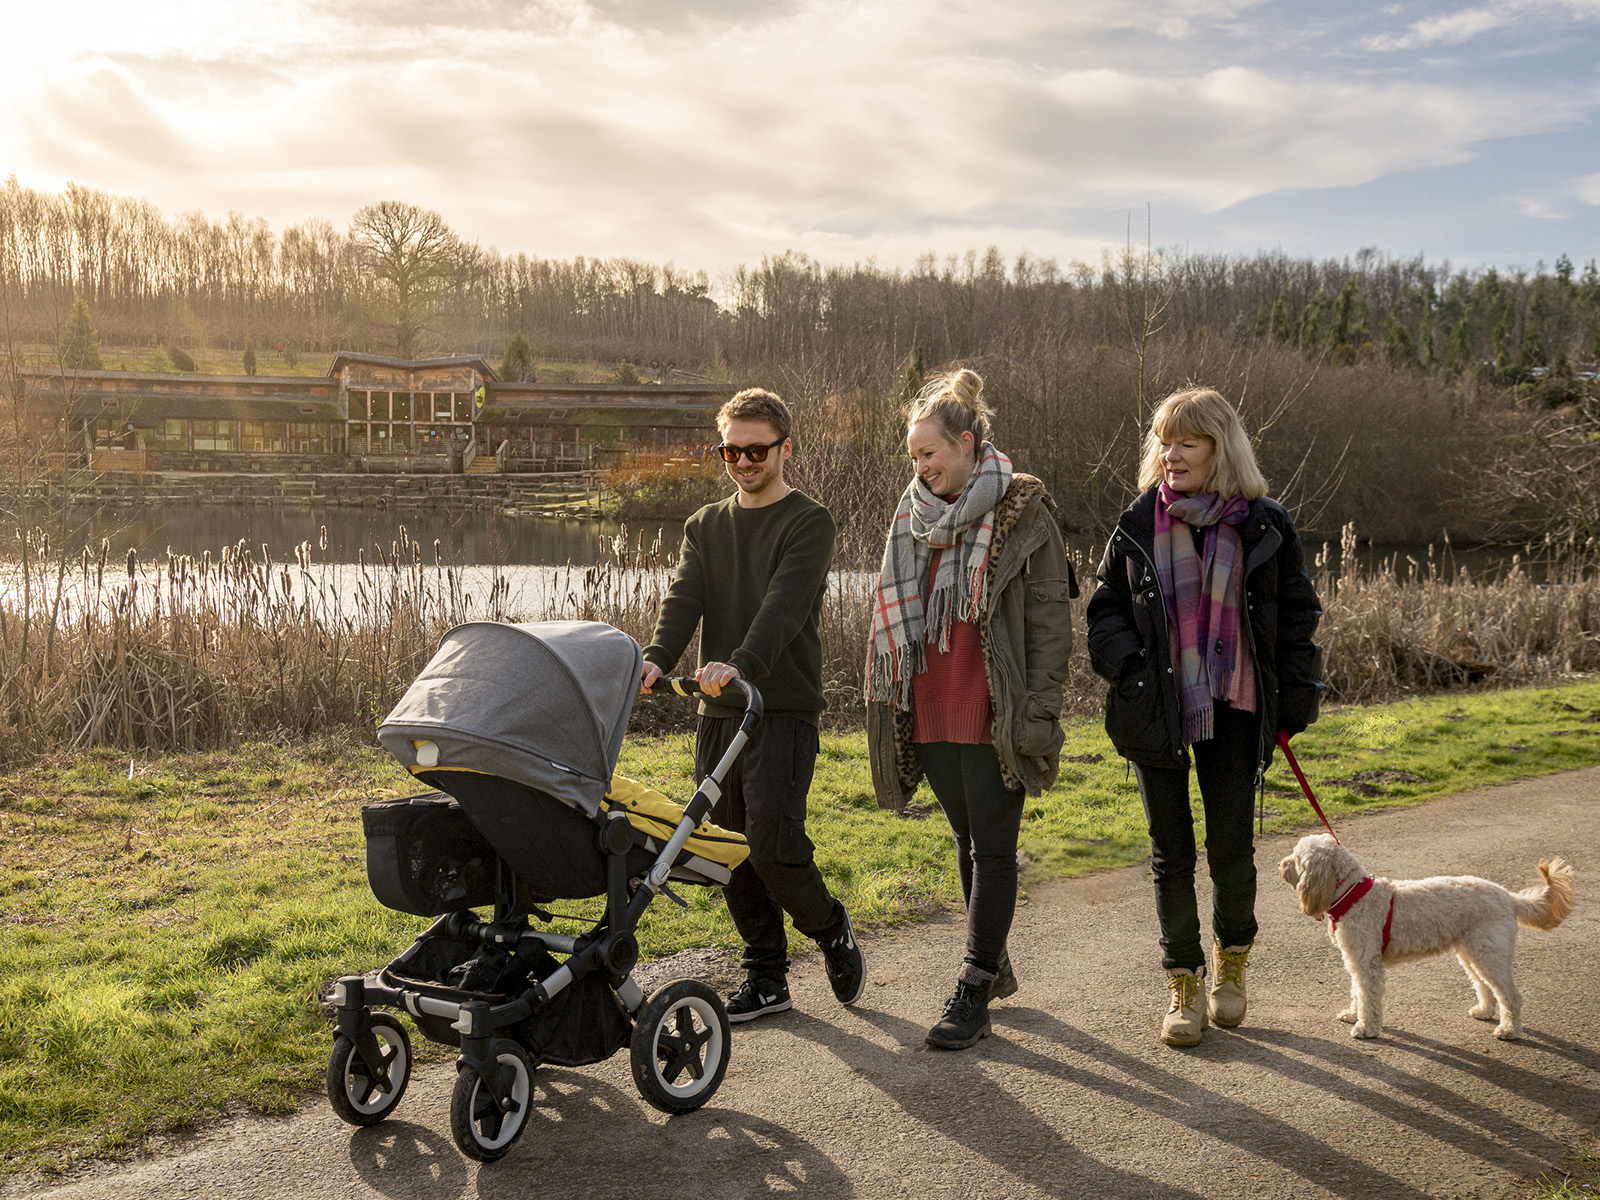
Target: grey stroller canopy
point(544, 704)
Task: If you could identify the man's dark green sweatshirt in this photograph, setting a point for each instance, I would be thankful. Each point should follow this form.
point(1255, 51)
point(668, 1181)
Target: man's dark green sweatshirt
point(754, 579)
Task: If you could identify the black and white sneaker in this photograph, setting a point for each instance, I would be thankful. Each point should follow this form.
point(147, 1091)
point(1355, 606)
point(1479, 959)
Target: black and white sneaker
point(756, 997)
point(847, 968)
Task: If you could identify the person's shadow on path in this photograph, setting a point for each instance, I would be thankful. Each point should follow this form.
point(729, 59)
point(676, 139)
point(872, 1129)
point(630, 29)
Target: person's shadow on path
point(1018, 1143)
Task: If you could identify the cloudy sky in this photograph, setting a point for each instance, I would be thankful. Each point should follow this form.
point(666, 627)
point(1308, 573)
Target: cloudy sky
point(711, 132)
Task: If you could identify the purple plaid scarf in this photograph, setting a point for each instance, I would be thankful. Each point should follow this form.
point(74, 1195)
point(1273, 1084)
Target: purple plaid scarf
point(910, 611)
point(1209, 652)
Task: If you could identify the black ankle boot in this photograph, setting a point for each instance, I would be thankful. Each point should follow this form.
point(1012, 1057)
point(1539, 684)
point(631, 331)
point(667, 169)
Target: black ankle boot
point(966, 1018)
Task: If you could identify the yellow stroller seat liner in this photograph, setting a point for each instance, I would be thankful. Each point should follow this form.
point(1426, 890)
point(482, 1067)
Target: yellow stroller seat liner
point(653, 814)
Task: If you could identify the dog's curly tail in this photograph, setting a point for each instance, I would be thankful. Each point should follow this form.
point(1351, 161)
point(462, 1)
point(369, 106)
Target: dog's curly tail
point(1546, 907)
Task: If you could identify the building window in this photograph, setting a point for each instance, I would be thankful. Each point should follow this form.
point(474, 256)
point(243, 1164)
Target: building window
point(171, 434)
point(358, 406)
point(400, 409)
point(215, 435)
point(308, 437)
point(463, 407)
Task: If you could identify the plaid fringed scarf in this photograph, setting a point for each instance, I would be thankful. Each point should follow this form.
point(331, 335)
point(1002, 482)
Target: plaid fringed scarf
point(1210, 652)
point(903, 619)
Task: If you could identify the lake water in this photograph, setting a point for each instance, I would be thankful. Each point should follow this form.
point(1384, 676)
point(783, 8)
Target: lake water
point(491, 539)
point(533, 562)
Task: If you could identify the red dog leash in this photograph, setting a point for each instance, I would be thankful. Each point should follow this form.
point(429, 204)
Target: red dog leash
point(1347, 901)
point(1294, 765)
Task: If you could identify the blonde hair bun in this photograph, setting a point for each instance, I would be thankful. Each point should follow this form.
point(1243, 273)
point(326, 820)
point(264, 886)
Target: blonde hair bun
point(966, 385)
point(954, 400)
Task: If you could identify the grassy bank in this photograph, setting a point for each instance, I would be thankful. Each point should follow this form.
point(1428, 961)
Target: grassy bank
point(166, 926)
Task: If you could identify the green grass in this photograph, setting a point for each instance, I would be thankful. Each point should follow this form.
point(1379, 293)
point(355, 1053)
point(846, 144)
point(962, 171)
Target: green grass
point(1579, 1181)
point(164, 937)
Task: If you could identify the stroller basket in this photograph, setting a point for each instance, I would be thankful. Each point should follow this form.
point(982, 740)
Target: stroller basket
point(426, 856)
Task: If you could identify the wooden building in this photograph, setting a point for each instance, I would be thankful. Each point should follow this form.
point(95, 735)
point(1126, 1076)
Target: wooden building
point(368, 413)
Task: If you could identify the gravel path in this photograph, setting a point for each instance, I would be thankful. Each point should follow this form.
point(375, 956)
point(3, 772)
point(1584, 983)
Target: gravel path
point(1073, 1095)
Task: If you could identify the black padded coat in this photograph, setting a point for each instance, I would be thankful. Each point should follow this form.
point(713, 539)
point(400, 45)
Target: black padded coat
point(1129, 635)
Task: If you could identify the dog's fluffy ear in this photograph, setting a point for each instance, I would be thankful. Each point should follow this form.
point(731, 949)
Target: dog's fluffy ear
point(1318, 856)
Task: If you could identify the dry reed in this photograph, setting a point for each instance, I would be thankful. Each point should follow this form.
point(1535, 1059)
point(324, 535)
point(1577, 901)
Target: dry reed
point(198, 652)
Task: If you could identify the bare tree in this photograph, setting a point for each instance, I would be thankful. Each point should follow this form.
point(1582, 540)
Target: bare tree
point(408, 258)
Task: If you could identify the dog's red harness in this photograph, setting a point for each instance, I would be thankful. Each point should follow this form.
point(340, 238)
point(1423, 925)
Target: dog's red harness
point(1348, 901)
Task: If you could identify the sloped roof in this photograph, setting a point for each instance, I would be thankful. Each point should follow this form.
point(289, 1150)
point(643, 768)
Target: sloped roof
point(475, 361)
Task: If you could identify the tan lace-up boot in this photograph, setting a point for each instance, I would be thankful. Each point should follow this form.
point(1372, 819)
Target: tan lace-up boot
point(1226, 1004)
point(1186, 1015)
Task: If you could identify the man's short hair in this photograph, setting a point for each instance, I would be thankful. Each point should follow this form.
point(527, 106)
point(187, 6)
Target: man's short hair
point(757, 404)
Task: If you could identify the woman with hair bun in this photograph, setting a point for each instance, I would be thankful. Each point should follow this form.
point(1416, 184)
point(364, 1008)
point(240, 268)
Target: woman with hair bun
point(1202, 624)
point(971, 631)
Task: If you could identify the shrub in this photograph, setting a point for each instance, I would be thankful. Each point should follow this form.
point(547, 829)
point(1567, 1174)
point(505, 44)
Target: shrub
point(180, 358)
point(517, 365)
point(652, 486)
point(80, 344)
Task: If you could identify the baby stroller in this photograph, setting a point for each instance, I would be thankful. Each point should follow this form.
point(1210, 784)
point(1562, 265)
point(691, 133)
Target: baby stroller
point(519, 727)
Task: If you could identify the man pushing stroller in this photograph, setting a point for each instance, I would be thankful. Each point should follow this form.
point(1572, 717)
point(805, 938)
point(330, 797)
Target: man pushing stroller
point(752, 573)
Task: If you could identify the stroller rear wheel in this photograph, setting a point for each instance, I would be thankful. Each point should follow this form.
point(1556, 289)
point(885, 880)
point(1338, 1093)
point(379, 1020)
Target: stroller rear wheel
point(481, 1128)
point(680, 1046)
point(359, 1096)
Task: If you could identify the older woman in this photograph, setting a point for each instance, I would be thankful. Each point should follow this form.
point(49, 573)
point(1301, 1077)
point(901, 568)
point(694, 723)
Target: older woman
point(970, 636)
point(1202, 624)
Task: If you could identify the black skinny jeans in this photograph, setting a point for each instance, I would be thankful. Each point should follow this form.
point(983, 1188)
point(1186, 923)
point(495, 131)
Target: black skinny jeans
point(1225, 767)
point(984, 817)
point(764, 798)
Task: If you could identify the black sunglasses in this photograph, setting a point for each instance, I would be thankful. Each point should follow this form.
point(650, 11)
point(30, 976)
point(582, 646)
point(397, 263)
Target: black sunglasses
point(758, 454)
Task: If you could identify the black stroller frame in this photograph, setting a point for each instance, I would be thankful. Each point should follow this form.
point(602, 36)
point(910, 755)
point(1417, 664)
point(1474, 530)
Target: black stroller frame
point(680, 1033)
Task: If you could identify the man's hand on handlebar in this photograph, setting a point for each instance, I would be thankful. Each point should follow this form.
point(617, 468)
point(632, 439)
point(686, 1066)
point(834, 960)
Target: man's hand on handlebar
point(714, 676)
point(648, 676)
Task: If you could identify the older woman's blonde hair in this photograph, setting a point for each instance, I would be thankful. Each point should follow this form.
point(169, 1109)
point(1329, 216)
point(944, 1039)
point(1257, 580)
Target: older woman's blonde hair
point(1202, 412)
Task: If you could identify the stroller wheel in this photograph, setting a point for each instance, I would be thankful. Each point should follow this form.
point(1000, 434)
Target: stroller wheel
point(482, 1130)
point(680, 1046)
point(359, 1097)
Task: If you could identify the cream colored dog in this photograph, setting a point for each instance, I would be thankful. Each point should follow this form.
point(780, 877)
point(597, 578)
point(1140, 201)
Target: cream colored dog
point(1394, 921)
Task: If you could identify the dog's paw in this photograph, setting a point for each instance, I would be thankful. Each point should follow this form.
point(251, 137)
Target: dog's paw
point(1507, 1033)
point(1485, 1012)
point(1348, 1016)
point(1365, 1029)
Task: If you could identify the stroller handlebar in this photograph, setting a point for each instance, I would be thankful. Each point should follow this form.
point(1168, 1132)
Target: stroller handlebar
point(688, 686)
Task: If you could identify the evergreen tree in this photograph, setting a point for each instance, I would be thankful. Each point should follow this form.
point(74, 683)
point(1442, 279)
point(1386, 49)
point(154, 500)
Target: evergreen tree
point(1502, 348)
point(1278, 323)
point(80, 344)
point(1349, 317)
point(517, 365)
point(249, 356)
point(1397, 343)
point(1311, 323)
point(1430, 357)
point(915, 372)
point(1533, 353)
point(1458, 355)
point(180, 358)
